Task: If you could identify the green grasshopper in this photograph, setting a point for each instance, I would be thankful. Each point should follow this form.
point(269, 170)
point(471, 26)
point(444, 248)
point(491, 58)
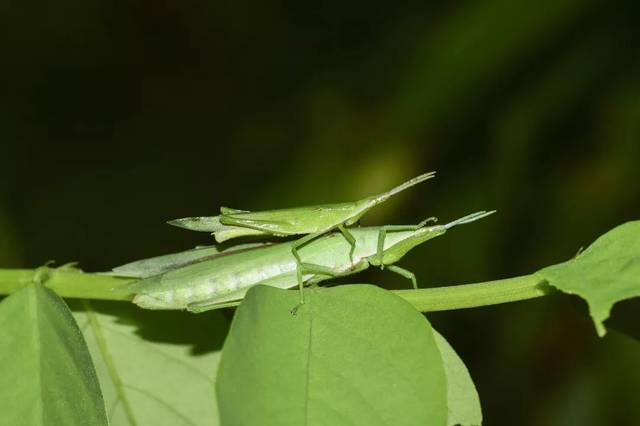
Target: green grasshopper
point(311, 220)
point(222, 280)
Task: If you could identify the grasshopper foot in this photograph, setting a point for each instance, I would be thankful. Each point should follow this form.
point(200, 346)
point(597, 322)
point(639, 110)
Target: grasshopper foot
point(294, 310)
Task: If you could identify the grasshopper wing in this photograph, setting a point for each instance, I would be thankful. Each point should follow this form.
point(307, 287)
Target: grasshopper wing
point(159, 264)
point(279, 228)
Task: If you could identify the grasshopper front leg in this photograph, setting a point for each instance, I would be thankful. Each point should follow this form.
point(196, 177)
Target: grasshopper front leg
point(350, 239)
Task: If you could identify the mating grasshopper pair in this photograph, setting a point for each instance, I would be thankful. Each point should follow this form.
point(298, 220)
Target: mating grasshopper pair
point(207, 278)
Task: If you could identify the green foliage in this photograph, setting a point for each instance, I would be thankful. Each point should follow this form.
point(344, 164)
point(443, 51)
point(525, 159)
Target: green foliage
point(525, 104)
point(462, 398)
point(352, 355)
point(46, 374)
point(151, 373)
point(607, 272)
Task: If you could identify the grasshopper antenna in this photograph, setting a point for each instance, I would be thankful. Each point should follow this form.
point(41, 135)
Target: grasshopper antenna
point(408, 184)
point(469, 218)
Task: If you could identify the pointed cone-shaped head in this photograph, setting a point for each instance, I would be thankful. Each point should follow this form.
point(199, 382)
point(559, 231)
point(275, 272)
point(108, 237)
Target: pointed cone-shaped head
point(425, 233)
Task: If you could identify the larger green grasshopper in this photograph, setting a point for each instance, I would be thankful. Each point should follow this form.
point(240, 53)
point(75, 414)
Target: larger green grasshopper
point(221, 280)
point(311, 220)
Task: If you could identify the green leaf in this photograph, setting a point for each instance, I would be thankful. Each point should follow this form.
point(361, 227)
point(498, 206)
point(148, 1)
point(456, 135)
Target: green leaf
point(353, 354)
point(605, 273)
point(156, 367)
point(46, 375)
point(462, 398)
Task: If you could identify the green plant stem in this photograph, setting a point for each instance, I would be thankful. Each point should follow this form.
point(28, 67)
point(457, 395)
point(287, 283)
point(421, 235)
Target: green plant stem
point(72, 283)
point(66, 282)
point(475, 295)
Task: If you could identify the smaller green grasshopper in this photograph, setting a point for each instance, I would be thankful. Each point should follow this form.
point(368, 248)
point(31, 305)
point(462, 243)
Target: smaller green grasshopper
point(222, 280)
point(313, 221)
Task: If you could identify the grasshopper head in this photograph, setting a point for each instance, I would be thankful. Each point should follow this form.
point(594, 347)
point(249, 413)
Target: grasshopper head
point(425, 233)
point(421, 234)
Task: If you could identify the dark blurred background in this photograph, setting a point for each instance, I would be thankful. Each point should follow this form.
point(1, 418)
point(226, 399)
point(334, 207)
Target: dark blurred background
point(117, 116)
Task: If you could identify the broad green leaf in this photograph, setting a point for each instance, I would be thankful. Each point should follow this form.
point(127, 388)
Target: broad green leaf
point(353, 354)
point(46, 375)
point(462, 398)
point(155, 367)
point(605, 273)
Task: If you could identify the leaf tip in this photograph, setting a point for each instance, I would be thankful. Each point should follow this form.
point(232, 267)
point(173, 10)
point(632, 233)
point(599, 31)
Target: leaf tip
point(600, 328)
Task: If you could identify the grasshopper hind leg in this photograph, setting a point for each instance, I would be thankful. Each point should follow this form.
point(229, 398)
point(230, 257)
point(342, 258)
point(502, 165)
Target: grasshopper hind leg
point(216, 302)
point(207, 305)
